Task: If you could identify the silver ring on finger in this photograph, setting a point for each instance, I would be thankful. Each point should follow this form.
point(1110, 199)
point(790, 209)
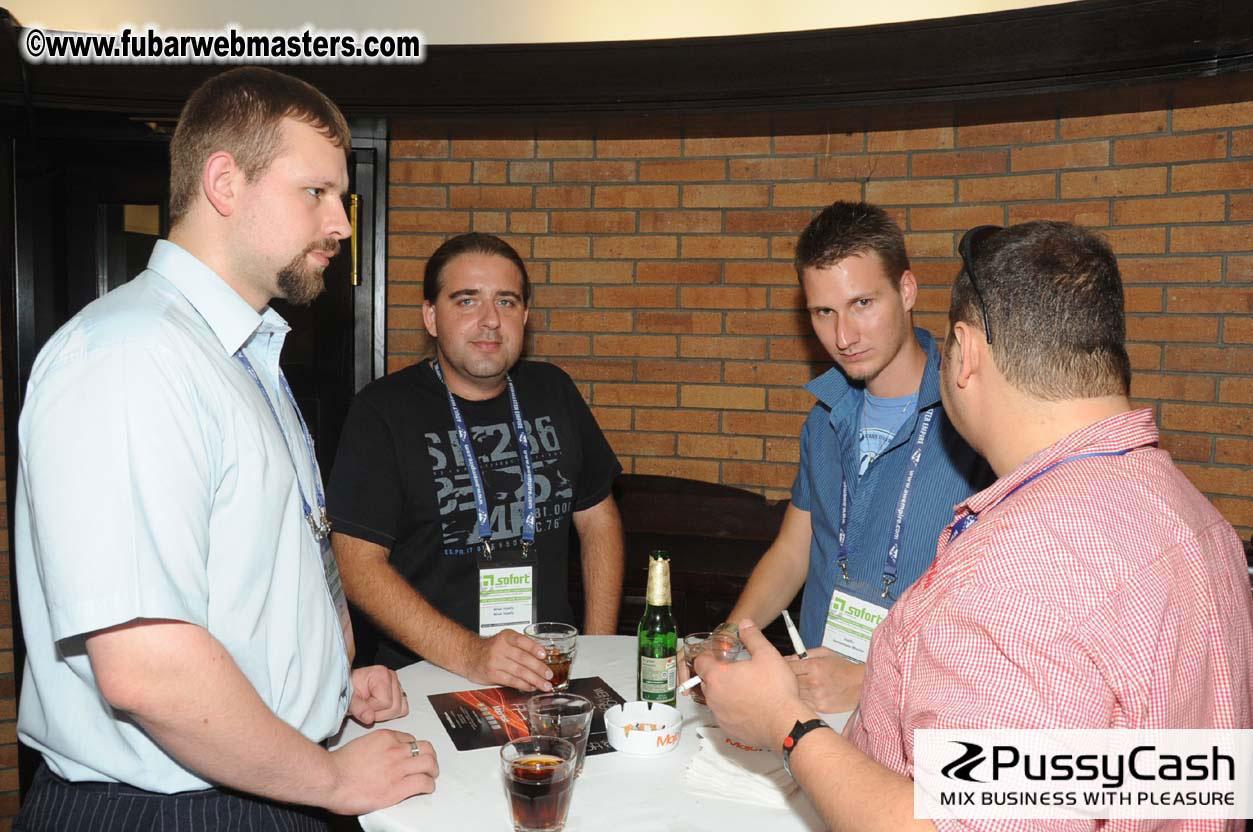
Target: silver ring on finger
point(413, 748)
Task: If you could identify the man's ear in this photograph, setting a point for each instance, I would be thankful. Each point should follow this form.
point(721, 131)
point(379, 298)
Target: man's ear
point(428, 318)
point(969, 351)
point(908, 289)
point(220, 180)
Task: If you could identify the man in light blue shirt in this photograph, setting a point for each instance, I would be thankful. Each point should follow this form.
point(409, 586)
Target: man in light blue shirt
point(881, 466)
point(188, 646)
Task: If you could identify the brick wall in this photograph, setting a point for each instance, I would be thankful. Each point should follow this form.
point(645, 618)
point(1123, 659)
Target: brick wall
point(660, 249)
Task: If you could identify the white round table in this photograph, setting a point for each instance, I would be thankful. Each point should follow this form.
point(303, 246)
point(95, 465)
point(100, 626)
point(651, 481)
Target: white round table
point(615, 792)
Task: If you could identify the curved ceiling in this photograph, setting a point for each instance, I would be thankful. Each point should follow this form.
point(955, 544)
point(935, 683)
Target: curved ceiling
point(504, 21)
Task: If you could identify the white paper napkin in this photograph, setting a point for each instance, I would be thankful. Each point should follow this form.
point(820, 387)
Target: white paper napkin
point(726, 769)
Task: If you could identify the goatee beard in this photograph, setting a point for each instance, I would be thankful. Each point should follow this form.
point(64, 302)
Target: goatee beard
point(298, 282)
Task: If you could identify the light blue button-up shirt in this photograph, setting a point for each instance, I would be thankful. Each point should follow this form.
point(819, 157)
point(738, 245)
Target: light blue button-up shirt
point(154, 482)
point(948, 472)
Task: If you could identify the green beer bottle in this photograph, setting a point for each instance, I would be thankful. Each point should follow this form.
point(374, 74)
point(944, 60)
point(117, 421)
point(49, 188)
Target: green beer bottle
point(658, 637)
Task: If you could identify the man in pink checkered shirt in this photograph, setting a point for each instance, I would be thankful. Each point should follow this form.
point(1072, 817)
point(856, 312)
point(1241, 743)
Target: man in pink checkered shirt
point(1091, 586)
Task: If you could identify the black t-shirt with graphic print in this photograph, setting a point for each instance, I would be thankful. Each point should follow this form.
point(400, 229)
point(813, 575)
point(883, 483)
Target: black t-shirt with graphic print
point(399, 481)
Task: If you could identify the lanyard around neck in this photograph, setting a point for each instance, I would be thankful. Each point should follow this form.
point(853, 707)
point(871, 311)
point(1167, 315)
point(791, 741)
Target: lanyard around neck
point(894, 550)
point(969, 520)
point(318, 524)
point(476, 476)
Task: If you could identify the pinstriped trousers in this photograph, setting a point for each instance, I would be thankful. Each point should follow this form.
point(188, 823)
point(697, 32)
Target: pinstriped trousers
point(57, 805)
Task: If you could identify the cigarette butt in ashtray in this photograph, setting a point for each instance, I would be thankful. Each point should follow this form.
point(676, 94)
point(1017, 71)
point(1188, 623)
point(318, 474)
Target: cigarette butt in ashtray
point(797, 644)
point(643, 728)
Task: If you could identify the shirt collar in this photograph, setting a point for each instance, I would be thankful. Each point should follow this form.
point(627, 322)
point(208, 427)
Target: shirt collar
point(1122, 432)
point(230, 317)
point(833, 385)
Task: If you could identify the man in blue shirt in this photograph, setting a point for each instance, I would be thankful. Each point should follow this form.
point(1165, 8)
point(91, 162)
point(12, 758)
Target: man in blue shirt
point(881, 465)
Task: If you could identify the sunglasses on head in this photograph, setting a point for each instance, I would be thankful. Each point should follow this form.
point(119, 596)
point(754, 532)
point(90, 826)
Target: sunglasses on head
point(969, 246)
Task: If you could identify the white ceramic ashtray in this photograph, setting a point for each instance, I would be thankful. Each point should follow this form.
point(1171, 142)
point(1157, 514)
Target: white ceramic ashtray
point(643, 729)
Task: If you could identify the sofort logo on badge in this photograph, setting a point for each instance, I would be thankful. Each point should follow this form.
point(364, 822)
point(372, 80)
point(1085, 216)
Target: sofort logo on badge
point(861, 613)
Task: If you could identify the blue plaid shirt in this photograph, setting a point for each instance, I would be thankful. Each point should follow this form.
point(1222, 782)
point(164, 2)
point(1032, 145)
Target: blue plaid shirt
point(948, 473)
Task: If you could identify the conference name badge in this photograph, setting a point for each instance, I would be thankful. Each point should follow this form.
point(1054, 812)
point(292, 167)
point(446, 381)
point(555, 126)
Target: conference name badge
point(506, 598)
point(850, 624)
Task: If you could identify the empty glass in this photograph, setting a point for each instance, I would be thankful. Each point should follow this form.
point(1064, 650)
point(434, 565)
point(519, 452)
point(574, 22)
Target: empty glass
point(562, 715)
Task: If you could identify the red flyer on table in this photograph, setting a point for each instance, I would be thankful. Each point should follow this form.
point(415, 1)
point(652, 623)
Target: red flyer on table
point(491, 717)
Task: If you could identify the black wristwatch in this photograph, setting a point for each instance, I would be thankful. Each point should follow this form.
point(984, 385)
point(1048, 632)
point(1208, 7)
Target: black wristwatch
point(799, 730)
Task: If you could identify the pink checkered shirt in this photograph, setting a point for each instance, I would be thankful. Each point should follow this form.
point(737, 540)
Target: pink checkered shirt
point(1107, 593)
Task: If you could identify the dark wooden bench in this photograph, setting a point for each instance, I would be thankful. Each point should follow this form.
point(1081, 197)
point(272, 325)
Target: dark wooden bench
point(715, 535)
point(1248, 556)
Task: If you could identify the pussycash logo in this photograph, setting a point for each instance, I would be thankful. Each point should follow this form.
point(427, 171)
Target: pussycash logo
point(963, 767)
point(1143, 763)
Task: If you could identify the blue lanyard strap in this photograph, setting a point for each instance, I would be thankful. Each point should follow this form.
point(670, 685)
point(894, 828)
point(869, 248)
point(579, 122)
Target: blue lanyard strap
point(969, 520)
point(476, 477)
point(318, 524)
point(894, 550)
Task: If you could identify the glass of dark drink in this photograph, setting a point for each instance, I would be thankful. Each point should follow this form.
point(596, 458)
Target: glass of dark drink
point(539, 779)
point(562, 715)
point(561, 642)
point(722, 644)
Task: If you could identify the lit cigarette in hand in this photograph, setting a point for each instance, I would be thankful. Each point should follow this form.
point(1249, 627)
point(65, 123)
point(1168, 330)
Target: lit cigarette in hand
point(689, 684)
point(797, 644)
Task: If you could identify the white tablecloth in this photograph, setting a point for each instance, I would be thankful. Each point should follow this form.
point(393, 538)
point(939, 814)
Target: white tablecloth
point(615, 793)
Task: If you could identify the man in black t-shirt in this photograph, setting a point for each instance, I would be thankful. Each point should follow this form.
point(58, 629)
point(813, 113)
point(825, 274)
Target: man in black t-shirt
point(449, 560)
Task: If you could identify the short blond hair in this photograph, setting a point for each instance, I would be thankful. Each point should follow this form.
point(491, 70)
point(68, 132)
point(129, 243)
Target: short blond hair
point(241, 112)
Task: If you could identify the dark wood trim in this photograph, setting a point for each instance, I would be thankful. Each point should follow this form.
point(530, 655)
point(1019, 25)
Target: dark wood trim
point(9, 317)
point(1071, 46)
point(19, 340)
point(371, 305)
point(381, 207)
point(16, 312)
point(12, 300)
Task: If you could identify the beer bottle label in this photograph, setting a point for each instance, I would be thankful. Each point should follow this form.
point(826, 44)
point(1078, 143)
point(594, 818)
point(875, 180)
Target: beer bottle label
point(658, 677)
